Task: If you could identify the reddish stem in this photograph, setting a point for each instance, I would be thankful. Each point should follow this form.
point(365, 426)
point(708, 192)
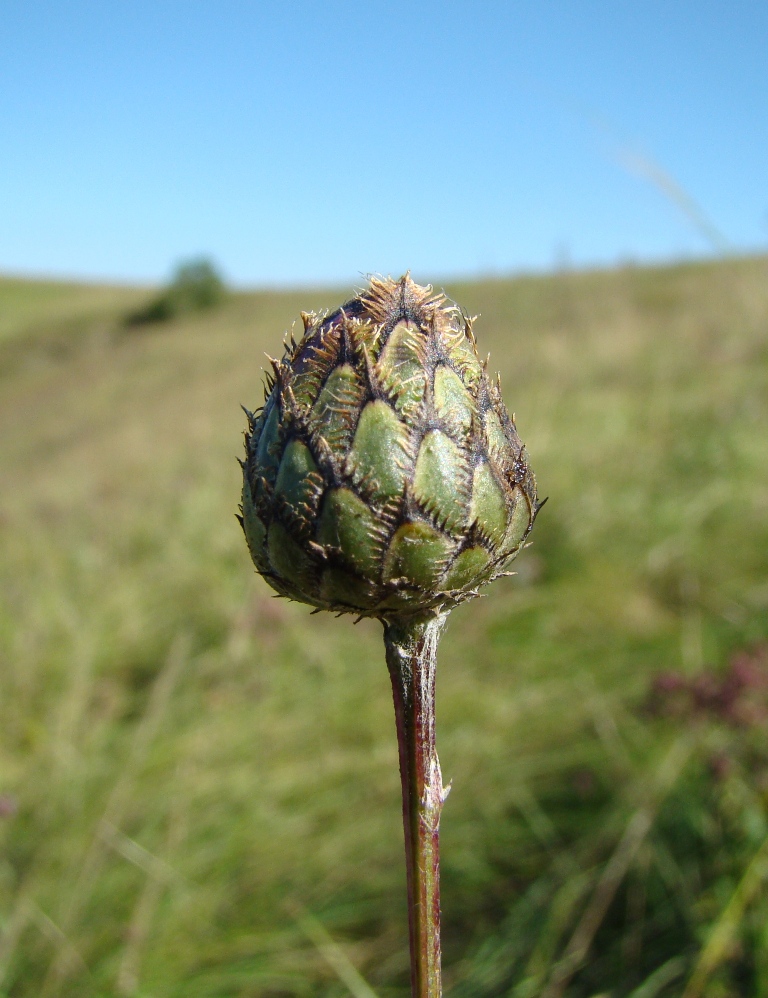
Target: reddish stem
point(411, 648)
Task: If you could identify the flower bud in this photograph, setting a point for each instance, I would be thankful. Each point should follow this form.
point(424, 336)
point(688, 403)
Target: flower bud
point(384, 475)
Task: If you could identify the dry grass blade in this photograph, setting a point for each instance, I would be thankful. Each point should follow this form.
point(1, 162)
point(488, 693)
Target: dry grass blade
point(724, 931)
point(660, 978)
point(332, 953)
point(616, 869)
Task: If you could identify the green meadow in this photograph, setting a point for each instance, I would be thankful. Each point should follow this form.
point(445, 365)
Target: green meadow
point(199, 795)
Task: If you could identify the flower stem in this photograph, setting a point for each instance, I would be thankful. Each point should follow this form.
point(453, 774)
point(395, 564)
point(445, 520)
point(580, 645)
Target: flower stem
point(411, 648)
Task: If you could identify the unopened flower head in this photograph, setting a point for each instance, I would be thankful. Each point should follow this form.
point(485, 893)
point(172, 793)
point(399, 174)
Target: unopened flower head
point(384, 475)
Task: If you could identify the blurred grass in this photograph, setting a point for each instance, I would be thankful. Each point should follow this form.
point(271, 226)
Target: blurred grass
point(186, 762)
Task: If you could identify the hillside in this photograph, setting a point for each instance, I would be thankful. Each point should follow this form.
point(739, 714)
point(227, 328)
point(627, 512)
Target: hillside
point(198, 781)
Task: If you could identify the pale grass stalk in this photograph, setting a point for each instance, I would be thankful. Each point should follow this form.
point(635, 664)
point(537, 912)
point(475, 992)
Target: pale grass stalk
point(332, 953)
point(56, 934)
point(13, 931)
point(159, 875)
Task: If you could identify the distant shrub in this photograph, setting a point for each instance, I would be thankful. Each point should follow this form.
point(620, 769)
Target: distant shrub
point(195, 286)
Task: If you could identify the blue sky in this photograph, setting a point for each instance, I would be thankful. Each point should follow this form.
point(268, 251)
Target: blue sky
point(304, 142)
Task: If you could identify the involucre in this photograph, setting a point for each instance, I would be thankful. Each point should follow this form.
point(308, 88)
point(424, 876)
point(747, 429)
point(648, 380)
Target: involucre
point(384, 475)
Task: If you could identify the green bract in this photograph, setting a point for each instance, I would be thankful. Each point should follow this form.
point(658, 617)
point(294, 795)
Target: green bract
point(384, 476)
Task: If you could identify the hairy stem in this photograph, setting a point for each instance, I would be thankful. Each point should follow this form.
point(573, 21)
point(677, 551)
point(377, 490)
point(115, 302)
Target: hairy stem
point(411, 648)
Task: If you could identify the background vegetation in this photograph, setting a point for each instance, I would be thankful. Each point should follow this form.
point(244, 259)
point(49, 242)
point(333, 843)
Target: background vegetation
point(198, 783)
point(195, 286)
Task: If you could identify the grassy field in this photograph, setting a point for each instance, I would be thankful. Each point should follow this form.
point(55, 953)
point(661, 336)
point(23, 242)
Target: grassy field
point(198, 783)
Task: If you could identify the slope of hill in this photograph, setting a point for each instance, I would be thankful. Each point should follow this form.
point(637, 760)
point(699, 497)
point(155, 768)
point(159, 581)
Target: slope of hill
point(30, 308)
point(186, 763)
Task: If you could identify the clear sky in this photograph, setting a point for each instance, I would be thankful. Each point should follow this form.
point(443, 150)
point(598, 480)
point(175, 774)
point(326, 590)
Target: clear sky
point(297, 142)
